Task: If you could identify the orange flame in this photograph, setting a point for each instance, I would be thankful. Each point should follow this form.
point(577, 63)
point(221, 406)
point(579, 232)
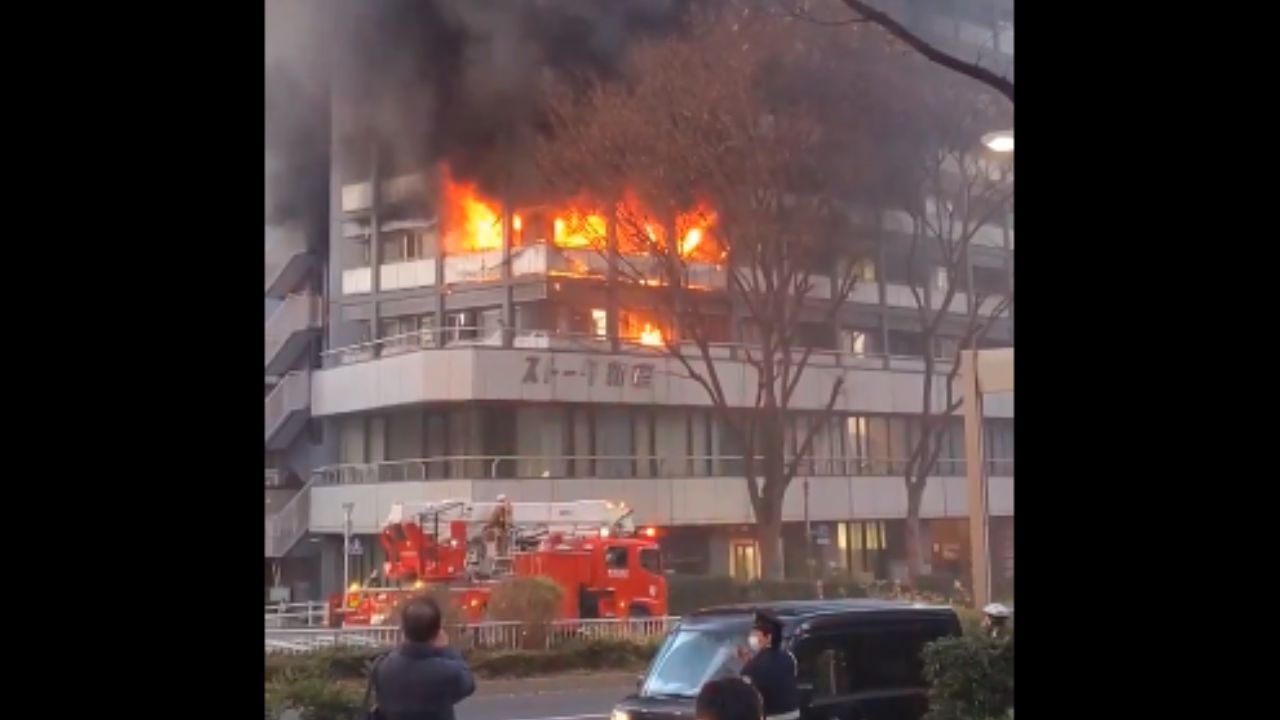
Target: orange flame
point(576, 229)
point(651, 335)
point(473, 223)
point(694, 228)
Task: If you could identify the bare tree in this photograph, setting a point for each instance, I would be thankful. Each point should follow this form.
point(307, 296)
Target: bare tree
point(729, 117)
point(962, 192)
point(865, 12)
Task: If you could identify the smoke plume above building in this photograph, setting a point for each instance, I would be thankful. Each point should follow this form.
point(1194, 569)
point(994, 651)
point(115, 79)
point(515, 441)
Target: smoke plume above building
point(428, 81)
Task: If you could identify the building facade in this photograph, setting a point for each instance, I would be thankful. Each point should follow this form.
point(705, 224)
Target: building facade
point(438, 344)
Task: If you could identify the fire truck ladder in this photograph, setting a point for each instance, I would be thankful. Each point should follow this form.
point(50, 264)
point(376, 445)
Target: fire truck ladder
point(530, 522)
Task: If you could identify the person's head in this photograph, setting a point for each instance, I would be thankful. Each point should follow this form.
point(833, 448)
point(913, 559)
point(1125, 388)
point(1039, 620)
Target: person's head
point(996, 616)
point(420, 620)
point(765, 632)
point(728, 699)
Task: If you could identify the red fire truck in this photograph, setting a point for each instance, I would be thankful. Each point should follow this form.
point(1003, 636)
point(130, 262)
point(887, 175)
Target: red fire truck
point(604, 565)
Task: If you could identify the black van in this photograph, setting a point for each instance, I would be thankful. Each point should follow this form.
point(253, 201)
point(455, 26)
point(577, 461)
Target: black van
point(857, 659)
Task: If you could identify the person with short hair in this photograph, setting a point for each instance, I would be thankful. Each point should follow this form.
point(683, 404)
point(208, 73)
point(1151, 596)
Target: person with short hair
point(728, 699)
point(423, 678)
point(996, 619)
point(772, 670)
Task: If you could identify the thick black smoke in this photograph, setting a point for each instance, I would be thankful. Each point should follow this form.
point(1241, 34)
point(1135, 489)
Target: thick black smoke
point(431, 80)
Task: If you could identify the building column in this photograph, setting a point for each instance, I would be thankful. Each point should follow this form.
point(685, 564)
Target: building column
point(330, 565)
point(508, 301)
point(375, 247)
point(976, 479)
point(611, 309)
point(882, 287)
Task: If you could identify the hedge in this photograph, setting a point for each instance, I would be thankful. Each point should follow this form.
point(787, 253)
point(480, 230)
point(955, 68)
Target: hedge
point(329, 685)
point(354, 663)
point(970, 678)
point(687, 593)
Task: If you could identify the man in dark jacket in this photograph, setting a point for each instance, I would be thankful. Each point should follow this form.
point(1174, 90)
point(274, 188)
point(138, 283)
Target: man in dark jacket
point(423, 678)
point(772, 670)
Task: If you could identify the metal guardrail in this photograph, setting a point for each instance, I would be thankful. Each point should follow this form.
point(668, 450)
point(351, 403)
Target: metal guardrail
point(445, 338)
point(520, 467)
point(489, 635)
point(294, 615)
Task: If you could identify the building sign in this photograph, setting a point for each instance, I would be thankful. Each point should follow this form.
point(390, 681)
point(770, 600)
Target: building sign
point(355, 548)
point(540, 369)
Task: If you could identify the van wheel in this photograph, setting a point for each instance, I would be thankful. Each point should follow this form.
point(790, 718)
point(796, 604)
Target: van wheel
point(640, 611)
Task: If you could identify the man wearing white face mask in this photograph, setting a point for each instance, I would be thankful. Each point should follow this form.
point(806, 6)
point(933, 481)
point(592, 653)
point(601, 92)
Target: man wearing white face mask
point(771, 670)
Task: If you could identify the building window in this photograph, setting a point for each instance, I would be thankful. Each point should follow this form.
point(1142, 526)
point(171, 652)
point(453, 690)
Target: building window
point(600, 322)
point(862, 342)
point(905, 343)
point(940, 279)
point(744, 560)
point(946, 348)
point(405, 332)
point(403, 247)
point(865, 270)
point(461, 325)
point(990, 281)
point(862, 547)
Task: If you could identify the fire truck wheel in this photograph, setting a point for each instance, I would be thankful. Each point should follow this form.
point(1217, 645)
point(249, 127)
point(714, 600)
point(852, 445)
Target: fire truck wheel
point(640, 611)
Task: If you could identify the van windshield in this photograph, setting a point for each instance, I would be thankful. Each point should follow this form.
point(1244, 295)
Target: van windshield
point(690, 658)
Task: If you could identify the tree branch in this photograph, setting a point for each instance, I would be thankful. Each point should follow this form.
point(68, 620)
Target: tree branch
point(1000, 84)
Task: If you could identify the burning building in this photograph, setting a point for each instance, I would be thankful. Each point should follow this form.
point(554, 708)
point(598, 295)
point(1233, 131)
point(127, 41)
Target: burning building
point(474, 344)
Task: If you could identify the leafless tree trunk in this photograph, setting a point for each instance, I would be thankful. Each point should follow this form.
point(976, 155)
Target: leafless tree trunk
point(967, 193)
point(697, 125)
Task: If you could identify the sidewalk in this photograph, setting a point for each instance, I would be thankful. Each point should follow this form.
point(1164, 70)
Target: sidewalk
point(624, 681)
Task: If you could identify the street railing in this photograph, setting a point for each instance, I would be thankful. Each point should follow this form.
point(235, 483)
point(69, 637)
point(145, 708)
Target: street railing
point(521, 467)
point(487, 636)
point(437, 338)
point(294, 615)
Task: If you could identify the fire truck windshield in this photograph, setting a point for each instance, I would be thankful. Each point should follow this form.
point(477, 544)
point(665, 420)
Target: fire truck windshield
point(651, 560)
point(690, 658)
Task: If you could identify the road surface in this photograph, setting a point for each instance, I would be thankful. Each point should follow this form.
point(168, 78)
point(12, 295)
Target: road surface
point(591, 699)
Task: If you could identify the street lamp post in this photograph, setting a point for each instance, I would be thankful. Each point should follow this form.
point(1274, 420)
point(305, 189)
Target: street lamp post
point(347, 508)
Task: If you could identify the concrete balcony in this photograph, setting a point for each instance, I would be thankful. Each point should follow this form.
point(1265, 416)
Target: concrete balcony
point(288, 408)
point(289, 330)
point(287, 262)
point(641, 376)
point(840, 489)
point(358, 197)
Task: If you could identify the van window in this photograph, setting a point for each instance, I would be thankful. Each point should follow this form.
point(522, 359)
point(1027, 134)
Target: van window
point(615, 558)
point(865, 659)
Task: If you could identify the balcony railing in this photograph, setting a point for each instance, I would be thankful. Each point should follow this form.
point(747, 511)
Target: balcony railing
point(490, 338)
point(525, 467)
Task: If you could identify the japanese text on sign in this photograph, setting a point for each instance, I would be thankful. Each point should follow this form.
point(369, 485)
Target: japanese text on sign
point(540, 370)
